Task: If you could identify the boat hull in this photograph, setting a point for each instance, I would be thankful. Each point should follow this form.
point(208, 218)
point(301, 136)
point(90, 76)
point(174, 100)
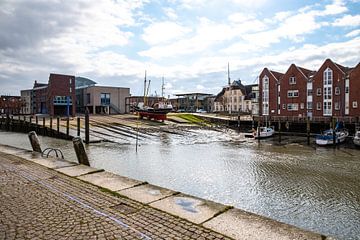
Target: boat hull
point(340, 137)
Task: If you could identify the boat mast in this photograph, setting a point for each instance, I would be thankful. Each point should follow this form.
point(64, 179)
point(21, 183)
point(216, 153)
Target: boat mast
point(162, 88)
point(145, 88)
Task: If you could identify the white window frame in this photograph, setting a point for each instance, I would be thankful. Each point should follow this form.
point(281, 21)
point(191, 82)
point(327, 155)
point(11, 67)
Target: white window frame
point(318, 106)
point(337, 90)
point(292, 80)
point(354, 104)
point(265, 95)
point(318, 91)
point(293, 93)
point(309, 105)
point(337, 106)
point(327, 92)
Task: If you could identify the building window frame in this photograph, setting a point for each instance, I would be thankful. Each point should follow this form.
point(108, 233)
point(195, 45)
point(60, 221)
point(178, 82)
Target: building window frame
point(354, 104)
point(292, 80)
point(318, 106)
point(318, 91)
point(337, 90)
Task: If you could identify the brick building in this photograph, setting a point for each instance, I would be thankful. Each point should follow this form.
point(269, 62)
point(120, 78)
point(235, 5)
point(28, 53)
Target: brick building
point(331, 91)
point(269, 88)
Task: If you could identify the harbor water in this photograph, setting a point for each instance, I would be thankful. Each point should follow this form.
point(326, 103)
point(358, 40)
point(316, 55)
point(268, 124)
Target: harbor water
point(314, 188)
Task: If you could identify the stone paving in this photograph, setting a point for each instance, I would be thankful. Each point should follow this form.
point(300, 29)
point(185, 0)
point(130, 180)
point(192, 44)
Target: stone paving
point(39, 203)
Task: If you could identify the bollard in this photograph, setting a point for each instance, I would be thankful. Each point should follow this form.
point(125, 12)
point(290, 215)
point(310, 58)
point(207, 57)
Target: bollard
point(78, 126)
point(87, 137)
point(67, 127)
point(34, 140)
point(80, 151)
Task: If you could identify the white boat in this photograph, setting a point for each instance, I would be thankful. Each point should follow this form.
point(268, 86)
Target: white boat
point(327, 137)
point(264, 132)
point(357, 138)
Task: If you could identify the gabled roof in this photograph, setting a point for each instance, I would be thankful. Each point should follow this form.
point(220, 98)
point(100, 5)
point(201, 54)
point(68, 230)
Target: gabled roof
point(277, 75)
point(307, 73)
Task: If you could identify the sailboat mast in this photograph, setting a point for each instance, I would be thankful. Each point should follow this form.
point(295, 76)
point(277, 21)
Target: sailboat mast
point(162, 88)
point(228, 73)
point(145, 88)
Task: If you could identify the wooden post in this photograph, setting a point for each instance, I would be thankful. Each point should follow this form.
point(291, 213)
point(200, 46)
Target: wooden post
point(44, 128)
point(258, 130)
point(58, 126)
point(67, 127)
point(238, 122)
point(308, 130)
point(87, 137)
point(334, 133)
point(80, 151)
point(34, 140)
point(36, 120)
point(78, 126)
point(51, 123)
point(12, 123)
point(7, 124)
point(279, 129)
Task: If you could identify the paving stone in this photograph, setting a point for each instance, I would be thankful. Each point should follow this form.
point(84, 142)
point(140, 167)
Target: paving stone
point(193, 209)
point(52, 162)
point(239, 224)
point(110, 181)
point(147, 193)
point(76, 171)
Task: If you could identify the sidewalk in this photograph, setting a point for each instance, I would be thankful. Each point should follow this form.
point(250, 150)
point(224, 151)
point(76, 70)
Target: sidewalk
point(40, 203)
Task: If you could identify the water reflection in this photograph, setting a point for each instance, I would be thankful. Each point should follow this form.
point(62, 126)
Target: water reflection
point(313, 188)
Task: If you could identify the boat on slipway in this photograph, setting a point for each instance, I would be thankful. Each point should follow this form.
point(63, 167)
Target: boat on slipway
point(263, 132)
point(157, 110)
point(339, 134)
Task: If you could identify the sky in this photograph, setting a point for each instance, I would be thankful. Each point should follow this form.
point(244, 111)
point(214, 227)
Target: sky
point(188, 42)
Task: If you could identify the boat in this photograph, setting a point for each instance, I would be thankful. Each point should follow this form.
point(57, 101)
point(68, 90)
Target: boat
point(157, 110)
point(327, 137)
point(357, 138)
point(264, 132)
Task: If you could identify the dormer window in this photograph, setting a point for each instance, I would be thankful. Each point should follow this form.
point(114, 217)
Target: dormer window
point(292, 80)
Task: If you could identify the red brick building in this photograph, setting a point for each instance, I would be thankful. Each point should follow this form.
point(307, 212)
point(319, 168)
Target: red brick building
point(54, 97)
point(294, 92)
point(331, 91)
point(354, 92)
point(269, 87)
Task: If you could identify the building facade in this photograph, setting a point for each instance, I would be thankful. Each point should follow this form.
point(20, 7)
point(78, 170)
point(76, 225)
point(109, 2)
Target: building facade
point(331, 91)
point(105, 100)
point(26, 96)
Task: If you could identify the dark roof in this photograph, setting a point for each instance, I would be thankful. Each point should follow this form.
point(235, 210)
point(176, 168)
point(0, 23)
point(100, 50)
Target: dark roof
point(83, 82)
point(277, 75)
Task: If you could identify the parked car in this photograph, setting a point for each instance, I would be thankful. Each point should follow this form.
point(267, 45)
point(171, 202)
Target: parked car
point(201, 111)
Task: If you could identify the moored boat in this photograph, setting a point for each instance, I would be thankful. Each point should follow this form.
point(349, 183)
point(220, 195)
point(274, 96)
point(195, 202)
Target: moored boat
point(157, 112)
point(263, 132)
point(327, 137)
point(357, 138)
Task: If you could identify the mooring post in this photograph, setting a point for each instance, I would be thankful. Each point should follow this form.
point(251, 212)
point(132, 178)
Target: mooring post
point(308, 130)
point(238, 123)
point(67, 127)
point(279, 127)
point(34, 140)
point(51, 133)
point(43, 125)
point(78, 126)
point(334, 133)
point(58, 126)
point(258, 130)
point(80, 151)
point(87, 137)
point(7, 122)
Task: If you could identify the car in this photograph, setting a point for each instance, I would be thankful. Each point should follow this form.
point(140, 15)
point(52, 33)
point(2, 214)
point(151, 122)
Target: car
point(201, 111)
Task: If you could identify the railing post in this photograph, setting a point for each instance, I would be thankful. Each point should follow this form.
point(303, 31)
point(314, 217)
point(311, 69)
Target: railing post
point(308, 130)
point(43, 125)
point(51, 123)
point(80, 151)
point(34, 140)
point(58, 126)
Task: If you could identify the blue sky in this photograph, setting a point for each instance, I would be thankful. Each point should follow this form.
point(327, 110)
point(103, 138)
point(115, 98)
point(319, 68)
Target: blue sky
point(189, 42)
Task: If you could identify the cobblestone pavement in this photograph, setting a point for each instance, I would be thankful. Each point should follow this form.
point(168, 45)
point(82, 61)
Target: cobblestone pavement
point(39, 203)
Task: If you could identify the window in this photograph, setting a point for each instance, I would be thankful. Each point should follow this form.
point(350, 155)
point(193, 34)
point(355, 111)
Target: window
point(309, 92)
point(293, 93)
point(284, 106)
point(88, 98)
point(105, 98)
point(292, 80)
point(337, 91)
point(301, 105)
point(292, 107)
point(70, 89)
point(309, 105)
point(354, 104)
point(318, 106)
point(70, 81)
point(327, 93)
point(318, 91)
point(328, 76)
point(347, 89)
point(327, 108)
point(337, 106)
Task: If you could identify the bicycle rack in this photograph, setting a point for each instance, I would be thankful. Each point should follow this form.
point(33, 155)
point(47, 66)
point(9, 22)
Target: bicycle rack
point(57, 151)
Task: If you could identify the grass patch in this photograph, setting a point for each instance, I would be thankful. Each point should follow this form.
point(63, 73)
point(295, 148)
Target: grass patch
point(192, 118)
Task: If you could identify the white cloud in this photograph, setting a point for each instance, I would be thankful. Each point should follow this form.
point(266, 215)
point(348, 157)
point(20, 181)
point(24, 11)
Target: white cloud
point(347, 20)
point(162, 32)
point(353, 33)
point(170, 13)
point(337, 7)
